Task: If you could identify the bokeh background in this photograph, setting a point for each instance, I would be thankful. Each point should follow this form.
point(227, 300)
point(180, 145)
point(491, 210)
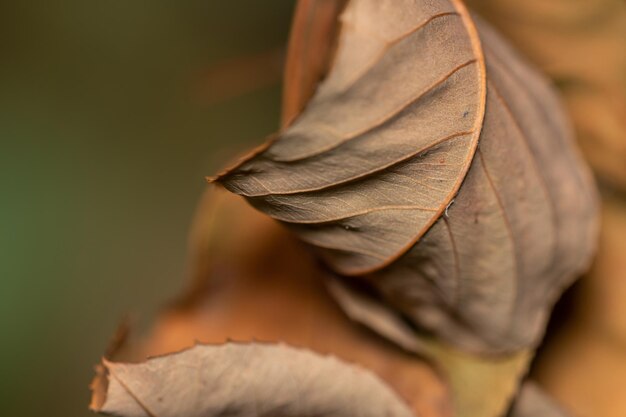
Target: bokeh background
point(111, 114)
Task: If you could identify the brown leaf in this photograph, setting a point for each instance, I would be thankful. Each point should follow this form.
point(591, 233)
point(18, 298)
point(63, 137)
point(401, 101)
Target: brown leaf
point(480, 386)
point(244, 380)
point(320, 175)
point(522, 227)
point(368, 172)
point(243, 299)
point(252, 280)
point(581, 45)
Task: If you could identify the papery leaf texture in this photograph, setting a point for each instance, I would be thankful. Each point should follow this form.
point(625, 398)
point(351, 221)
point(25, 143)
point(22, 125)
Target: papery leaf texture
point(344, 174)
point(385, 176)
point(243, 380)
point(480, 385)
point(252, 280)
point(521, 229)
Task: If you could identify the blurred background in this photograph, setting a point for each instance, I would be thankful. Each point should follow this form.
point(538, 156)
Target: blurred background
point(111, 114)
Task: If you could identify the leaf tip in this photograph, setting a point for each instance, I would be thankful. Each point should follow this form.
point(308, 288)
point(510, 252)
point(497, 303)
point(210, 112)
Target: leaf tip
point(222, 176)
point(99, 387)
point(212, 179)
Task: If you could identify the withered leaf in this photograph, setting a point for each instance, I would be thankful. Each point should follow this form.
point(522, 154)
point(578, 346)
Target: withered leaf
point(252, 280)
point(384, 144)
point(368, 175)
point(423, 289)
point(480, 386)
point(581, 45)
point(244, 380)
point(522, 227)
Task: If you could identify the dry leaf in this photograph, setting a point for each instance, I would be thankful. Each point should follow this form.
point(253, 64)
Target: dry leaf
point(324, 172)
point(244, 380)
point(521, 139)
point(374, 161)
point(520, 230)
point(253, 281)
point(581, 45)
point(233, 298)
point(244, 289)
point(480, 386)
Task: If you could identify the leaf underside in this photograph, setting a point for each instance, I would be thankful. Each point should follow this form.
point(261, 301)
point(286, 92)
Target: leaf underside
point(521, 229)
point(437, 167)
point(244, 380)
point(383, 146)
point(368, 175)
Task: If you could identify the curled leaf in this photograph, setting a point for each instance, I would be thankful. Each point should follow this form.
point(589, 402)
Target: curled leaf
point(480, 386)
point(252, 280)
point(521, 229)
point(384, 144)
point(243, 380)
point(381, 174)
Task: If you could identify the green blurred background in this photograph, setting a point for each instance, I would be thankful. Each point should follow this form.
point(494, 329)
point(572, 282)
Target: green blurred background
point(108, 124)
